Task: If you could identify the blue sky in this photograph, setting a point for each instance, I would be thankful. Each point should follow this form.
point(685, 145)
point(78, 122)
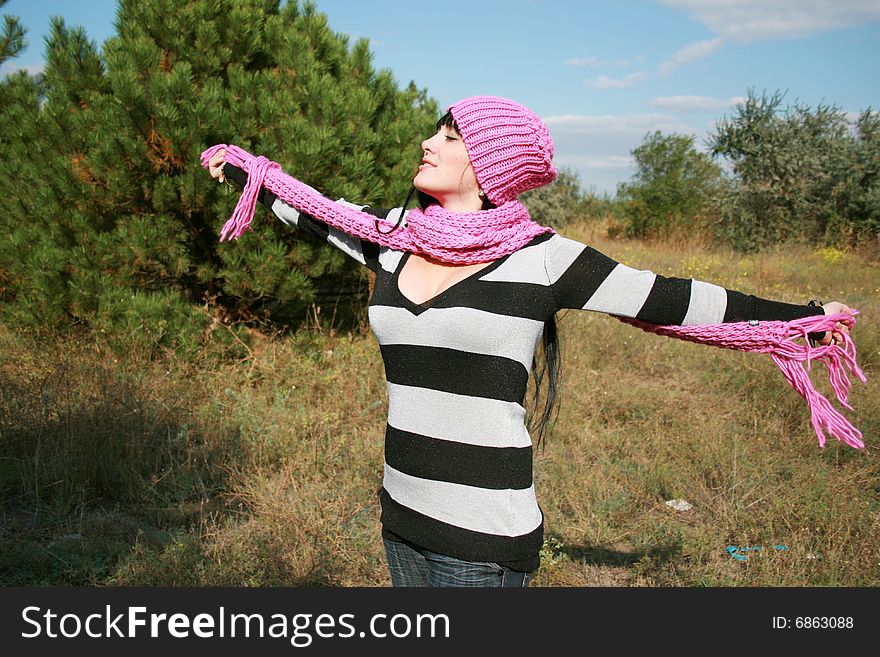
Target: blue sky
point(602, 73)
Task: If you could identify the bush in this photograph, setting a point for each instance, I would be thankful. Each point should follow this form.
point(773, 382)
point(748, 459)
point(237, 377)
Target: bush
point(674, 187)
point(564, 201)
point(800, 174)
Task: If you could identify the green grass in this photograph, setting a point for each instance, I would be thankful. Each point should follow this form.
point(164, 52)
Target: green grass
point(262, 467)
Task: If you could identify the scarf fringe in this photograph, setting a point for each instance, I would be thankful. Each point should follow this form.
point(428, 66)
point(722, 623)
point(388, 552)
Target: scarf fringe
point(789, 346)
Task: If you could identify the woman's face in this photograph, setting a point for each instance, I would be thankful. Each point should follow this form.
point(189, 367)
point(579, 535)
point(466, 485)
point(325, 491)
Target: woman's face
point(446, 172)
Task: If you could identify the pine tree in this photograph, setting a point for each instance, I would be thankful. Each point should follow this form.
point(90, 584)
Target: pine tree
point(12, 39)
point(113, 223)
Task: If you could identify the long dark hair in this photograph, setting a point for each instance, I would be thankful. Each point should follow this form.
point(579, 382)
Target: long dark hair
point(546, 371)
point(547, 363)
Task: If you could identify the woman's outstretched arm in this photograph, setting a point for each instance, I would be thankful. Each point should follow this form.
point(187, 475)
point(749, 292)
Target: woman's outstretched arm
point(363, 251)
point(583, 278)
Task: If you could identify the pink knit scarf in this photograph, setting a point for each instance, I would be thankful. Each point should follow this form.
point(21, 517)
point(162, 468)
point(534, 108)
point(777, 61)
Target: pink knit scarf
point(460, 238)
point(475, 237)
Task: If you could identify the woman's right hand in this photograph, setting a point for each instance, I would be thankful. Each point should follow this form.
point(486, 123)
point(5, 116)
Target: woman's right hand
point(836, 336)
point(215, 165)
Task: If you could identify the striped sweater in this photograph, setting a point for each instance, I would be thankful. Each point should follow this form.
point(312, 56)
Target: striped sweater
point(458, 456)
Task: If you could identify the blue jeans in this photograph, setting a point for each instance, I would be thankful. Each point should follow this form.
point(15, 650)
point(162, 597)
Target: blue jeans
point(417, 567)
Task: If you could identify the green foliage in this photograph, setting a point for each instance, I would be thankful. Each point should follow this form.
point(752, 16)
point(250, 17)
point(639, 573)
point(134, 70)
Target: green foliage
point(12, 39)
point(564, 201)
point(802, 174)
point(102, 194)
point(673, 188)
point(799, 173)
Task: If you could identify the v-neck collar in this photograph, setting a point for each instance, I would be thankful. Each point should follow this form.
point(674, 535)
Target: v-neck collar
point(419, 308)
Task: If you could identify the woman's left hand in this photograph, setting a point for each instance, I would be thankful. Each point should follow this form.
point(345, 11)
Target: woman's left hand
point(842, 327)
point(215, 165)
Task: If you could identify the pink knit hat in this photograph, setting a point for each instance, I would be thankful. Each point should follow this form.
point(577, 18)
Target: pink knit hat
point(509, 146)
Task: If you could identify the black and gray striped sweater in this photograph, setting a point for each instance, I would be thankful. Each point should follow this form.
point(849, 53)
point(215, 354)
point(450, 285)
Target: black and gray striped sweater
point(458, 456)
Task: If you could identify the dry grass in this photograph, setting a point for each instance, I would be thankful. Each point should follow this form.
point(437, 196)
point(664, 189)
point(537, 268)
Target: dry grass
point(264, 470)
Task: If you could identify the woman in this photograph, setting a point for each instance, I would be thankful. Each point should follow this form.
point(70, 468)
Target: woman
point(466, 287)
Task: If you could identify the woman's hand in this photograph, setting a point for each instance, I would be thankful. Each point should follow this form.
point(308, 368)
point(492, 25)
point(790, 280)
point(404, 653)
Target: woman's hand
point(840, 328)
point(215, 165)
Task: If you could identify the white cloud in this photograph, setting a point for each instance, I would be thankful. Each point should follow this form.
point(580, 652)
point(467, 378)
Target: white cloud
point(685, 55)
point(9, 68)
point(603, 82)
point(600, 163)
point(598, 147)
point(744, 21)
point(609, 128)
point(691, 53)
point(583, 61)
point(594, 62)
point(695, 103)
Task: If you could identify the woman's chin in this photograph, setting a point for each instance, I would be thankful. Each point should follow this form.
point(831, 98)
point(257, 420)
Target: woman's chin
point(424, 189)
point(419, 183)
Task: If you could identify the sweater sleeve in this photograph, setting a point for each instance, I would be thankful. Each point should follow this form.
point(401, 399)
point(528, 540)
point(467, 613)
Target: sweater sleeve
point(365, 252)
point(583, 278)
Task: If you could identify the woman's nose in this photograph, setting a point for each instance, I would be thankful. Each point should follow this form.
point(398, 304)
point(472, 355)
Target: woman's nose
point(430, 144)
